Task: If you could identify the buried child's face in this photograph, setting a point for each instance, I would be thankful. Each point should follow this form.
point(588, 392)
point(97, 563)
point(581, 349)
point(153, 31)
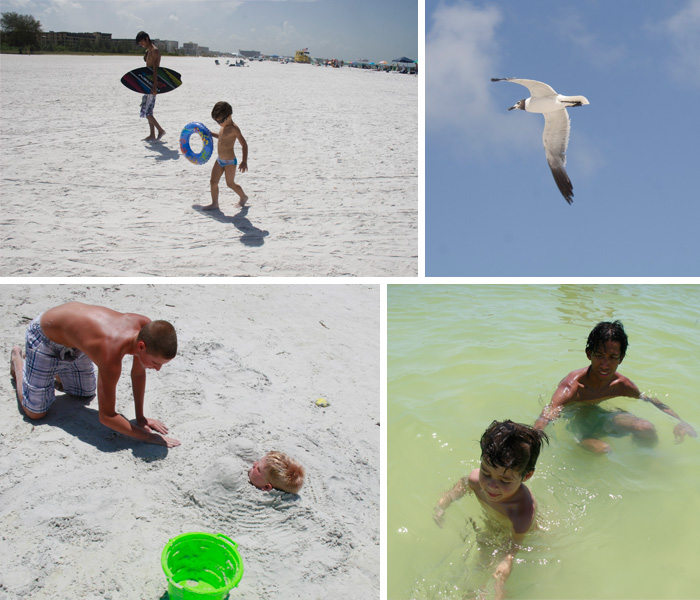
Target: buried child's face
point(258, 475)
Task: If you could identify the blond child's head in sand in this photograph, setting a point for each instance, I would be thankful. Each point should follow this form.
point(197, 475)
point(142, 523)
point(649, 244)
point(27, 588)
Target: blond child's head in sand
point(279, 471)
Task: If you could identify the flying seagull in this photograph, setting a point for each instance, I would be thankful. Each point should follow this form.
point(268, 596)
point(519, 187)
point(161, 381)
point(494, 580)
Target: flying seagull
point(557, 126)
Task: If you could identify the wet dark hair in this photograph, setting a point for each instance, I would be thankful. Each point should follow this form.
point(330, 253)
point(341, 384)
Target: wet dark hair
point(221, 110)
point(512, 446)
point(607, 332)
point(160, 339)
point(142, 35)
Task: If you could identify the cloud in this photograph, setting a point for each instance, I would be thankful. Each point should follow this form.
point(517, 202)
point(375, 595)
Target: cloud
point(462, 54)
point(570, 27)
point(683, 31)
point(283, 34)
point(460, 51)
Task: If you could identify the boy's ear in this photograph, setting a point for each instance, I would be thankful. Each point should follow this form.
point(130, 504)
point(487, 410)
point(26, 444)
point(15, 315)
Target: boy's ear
point(267, 487)
point(528, 475)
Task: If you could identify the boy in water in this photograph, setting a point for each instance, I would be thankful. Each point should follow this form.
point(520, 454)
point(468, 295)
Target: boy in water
point(148, 102)
point(509, 453)
point(226, 162)
point(276, 470)
point(586, 388)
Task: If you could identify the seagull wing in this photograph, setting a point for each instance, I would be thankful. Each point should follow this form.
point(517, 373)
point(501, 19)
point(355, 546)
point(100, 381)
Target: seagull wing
point(556, 140)
point(537, 88)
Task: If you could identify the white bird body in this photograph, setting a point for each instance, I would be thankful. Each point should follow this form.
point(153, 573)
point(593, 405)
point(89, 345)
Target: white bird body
point(547, 104)
point(546, 101)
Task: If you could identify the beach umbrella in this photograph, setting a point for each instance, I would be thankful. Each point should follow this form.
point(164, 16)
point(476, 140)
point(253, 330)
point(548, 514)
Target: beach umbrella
point(404, 60)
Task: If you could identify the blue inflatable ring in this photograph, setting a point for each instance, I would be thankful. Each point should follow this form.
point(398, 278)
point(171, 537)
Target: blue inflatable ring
point(207, 141)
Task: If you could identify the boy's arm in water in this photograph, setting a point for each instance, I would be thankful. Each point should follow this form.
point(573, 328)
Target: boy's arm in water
point(562, 395)
point(505, 567)
point(681, 429)
point(458, 490)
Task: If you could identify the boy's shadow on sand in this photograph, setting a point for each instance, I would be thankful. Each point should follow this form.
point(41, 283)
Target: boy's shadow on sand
point(74, 416)
point(166, 153)
point(252, 236)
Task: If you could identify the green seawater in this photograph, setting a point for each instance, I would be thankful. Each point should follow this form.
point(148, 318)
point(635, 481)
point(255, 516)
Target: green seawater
point(621, 525)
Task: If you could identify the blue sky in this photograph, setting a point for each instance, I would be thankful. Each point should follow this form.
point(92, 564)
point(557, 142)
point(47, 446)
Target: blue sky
point(344, 29)
point(492, 207)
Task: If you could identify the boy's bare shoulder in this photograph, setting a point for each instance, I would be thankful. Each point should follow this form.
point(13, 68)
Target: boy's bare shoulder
point(472, 480)
point(573, 377)
point(568, 388)
point(522, 513)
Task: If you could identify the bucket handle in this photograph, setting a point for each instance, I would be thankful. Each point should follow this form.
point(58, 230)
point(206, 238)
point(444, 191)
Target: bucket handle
point(227, 540)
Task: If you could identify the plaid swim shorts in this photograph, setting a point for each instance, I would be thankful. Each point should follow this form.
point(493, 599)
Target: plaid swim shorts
point(46, 359)
point(148, 103)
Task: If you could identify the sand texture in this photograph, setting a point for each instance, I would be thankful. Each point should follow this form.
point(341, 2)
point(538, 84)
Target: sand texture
point(86, 512)
point(332, 180)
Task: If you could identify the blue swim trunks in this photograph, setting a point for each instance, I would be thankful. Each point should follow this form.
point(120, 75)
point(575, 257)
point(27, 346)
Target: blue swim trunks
point(46, 359)
point(224, 163)
point(148, 103)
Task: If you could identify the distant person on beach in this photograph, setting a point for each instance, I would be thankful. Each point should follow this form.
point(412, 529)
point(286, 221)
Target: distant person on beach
point(509, 452)
point(584, 390)
point(63, 343)
point(227, 162)
point(276, 470)
point(148, 102)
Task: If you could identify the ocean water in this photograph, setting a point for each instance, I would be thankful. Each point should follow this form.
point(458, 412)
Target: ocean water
point(621, 525)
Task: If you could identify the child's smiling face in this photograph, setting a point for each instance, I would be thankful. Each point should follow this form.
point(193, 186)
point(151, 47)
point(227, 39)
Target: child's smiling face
point(498, 483)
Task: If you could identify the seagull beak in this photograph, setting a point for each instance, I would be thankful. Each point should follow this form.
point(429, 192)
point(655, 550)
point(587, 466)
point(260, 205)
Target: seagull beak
point(514, 106)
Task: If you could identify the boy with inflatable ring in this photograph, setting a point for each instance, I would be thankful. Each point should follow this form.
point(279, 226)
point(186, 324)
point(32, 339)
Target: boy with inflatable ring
point(148, 103)
point(227, 162)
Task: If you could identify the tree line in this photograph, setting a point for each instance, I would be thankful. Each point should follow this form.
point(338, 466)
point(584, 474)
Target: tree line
point(23, 33)
point(20, 31)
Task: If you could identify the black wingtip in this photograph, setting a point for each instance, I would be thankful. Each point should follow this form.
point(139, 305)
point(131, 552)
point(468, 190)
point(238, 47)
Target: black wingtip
point(564, 184)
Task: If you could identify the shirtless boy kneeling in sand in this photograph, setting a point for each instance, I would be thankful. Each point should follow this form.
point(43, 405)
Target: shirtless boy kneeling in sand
point(63, 343)
point(226, 163)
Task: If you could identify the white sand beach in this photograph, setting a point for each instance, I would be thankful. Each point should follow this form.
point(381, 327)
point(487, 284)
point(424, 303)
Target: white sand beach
point(86, 512)
point(332, 180)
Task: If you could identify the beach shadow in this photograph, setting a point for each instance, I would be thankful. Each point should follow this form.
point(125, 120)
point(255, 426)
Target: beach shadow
point(159, 147)
point(252, 236)
point(166, 596)
point(74, 415)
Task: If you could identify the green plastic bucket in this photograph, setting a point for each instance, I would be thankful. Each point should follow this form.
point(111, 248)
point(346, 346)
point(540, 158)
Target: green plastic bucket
point(201, 566)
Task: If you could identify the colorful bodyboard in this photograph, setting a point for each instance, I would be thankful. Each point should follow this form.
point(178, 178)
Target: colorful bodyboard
point(141, 80)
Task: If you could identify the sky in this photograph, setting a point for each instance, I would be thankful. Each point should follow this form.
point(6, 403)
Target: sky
point(344, 29)
point(492, 207)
